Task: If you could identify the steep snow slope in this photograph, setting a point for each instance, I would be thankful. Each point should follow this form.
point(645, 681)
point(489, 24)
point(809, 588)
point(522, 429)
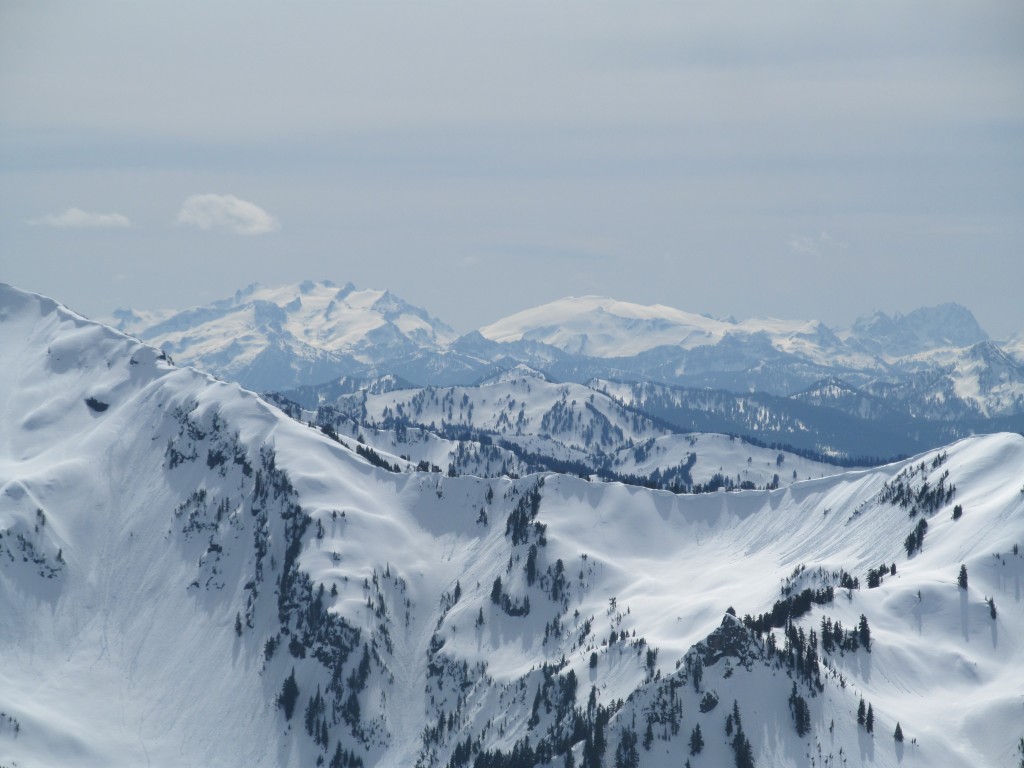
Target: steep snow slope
point(174, 548)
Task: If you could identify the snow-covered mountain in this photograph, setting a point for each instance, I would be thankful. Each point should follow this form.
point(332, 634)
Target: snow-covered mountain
point(595, 326)
point(977, 381)
point(190, 577)
point(275, 338)
point(924, 329)
point(518, 421)
point(281, 338)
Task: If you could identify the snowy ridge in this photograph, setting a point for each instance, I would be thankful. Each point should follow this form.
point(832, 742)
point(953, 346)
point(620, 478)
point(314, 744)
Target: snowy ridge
point(563, 422)
point(232, 587)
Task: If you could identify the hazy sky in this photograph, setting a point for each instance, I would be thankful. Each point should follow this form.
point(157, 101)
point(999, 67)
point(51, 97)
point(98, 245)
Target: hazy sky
point(796, 159)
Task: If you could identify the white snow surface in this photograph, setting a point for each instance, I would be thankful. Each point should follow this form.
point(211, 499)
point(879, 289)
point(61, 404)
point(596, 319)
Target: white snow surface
point(118, 638)
point(597, 326)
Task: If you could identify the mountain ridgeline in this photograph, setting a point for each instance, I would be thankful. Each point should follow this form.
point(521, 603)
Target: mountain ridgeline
point(191, 576)
point(888, 386)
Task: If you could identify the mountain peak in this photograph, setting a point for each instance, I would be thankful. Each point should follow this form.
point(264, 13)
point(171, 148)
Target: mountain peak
point(597, 326)
point(923, 329)
point(267, 337)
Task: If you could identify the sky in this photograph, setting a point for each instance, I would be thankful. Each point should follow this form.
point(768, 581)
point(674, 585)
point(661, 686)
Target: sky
point(802, 160)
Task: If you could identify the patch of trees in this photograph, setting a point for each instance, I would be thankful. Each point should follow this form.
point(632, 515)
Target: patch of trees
point(717, 481)
point(798, 653)
point(696, 740)
point(924, 498)
point(342, 758)
point(376, 459)
point(743, 753)
point(915, 539)
point(626, 753)
point(7, 721)
point(877, 575)
point(866, 717)
point(800, 711)
point(792, 607)
point(536, 462)
point(587, 726)
point(96, 405)
point(834, 637)
point(504, 601)
point(522, 521)
point(289, 695)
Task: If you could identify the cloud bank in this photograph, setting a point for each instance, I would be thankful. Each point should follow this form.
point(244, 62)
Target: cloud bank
point(76, 218)
point(226, 213)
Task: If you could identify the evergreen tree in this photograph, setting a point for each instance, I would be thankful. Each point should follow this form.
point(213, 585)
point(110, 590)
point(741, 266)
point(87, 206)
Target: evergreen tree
point(860, 712)
point(289, 695)
point(801, 712)
point(742, 750)
point(696, 741)
point(864, 631)
point(869, 720)
point(961, 580)
point(898, 735)
point(626, 756)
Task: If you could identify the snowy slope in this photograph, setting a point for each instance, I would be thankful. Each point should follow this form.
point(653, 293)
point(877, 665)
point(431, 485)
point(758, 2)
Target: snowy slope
point(166, 538)
point(722, 455)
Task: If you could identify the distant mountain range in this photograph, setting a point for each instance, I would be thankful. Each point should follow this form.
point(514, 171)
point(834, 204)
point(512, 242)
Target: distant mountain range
point(886, 386)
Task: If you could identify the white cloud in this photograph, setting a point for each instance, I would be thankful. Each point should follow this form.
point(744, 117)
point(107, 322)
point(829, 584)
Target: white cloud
point(76, 218)
point(226, 213)
point(817, 245)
